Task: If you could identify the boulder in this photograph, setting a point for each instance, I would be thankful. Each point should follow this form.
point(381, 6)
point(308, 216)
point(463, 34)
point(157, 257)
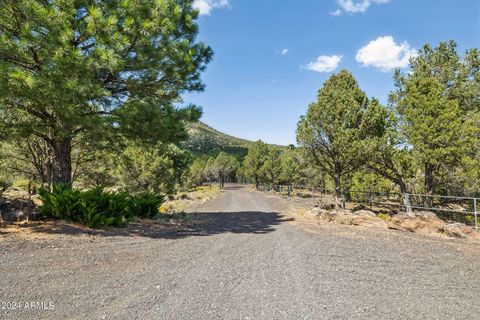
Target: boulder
point(327, 216)
point(312, 213)
point(458, 230)
point(426, 215)
point(364, 213)
point(422, 222)
point(324, 204)
point(368, 221)
point(396, 222)
point(363, 218)
point(343, 217)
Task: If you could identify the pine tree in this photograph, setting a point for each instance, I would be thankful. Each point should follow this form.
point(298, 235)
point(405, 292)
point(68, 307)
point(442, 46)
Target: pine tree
point(68, 67)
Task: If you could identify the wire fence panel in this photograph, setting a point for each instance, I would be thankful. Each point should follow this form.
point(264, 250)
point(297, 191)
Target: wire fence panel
point(457, 209)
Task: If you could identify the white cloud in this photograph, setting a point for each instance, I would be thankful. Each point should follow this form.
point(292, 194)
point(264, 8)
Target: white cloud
point(324, 63)
point(336, 13)
point(385, 54)
point(283, 52)
point(352, 6)
point(206, 6)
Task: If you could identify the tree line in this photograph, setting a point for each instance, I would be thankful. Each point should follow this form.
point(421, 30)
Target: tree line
point(90, 95)
point(425, 140)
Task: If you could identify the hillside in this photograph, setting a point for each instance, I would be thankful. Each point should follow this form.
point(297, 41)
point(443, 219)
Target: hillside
point(206, 140)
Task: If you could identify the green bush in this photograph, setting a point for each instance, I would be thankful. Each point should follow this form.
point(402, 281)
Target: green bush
point(147, 205)
point(96, 207)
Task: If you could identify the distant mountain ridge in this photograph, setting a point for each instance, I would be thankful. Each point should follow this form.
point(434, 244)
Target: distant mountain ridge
point(206, 140)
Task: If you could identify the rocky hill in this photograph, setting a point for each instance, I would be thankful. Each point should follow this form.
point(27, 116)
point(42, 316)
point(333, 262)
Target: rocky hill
point(206, 140)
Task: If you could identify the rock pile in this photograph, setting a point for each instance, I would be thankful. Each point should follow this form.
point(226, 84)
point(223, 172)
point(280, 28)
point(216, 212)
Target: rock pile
point(357, 218)
point(423, 222)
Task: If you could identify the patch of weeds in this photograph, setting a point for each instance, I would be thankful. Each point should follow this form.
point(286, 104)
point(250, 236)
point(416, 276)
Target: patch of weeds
point(21, 184)
point(301, 212)
point(384, 216)
point(470, 220)
point(174, 206)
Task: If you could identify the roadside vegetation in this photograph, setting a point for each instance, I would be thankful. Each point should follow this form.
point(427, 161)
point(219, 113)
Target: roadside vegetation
point(184, 201)
point(90, 99)
point(91, 117)
point(426, 140)
point(96, 207)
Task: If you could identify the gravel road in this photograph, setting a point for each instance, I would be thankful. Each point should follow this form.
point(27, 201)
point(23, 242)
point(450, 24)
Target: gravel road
point(242, 260)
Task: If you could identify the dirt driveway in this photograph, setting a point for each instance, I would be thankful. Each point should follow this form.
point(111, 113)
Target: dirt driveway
point(241, 259)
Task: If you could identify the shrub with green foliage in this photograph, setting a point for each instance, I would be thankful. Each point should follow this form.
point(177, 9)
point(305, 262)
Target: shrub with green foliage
point(96, 207)
point(146, 205)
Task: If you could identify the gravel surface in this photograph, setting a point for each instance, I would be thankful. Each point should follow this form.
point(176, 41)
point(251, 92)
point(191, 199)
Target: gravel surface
point(242, 260)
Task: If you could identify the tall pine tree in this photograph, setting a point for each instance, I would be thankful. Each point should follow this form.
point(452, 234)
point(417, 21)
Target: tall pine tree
point(91, 67)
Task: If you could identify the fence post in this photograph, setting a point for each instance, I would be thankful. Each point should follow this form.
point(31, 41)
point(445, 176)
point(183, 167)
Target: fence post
point(475, 212)
point(406, 201)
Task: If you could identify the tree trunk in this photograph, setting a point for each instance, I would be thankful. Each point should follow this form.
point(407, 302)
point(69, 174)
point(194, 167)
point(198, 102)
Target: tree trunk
point(62, 162)
point(338, 191)
point(256, 183)
point(221, 182)
point(429, 184)
point(402, 185)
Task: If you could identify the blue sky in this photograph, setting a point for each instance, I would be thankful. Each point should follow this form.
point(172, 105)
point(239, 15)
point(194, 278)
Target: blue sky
point(272, 56)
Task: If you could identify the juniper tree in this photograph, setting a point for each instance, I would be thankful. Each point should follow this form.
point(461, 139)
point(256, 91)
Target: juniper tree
point(224, 166)
point(434, 127)
point(335, 127)
point(271, 168)
point(209, 170)
point(148, 169)
point(388, 152)
point(438, 103)
point(68, 67)
point(253, 162)
point(290, 166)
point(196, 172)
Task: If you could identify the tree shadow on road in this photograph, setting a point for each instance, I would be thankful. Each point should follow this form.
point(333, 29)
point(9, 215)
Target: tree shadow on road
point(201, 224)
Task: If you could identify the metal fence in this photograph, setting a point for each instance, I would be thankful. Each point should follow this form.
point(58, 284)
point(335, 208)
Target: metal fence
point(458, 209)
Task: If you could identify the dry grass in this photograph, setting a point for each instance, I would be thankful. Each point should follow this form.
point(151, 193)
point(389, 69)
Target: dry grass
point(184, 201)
